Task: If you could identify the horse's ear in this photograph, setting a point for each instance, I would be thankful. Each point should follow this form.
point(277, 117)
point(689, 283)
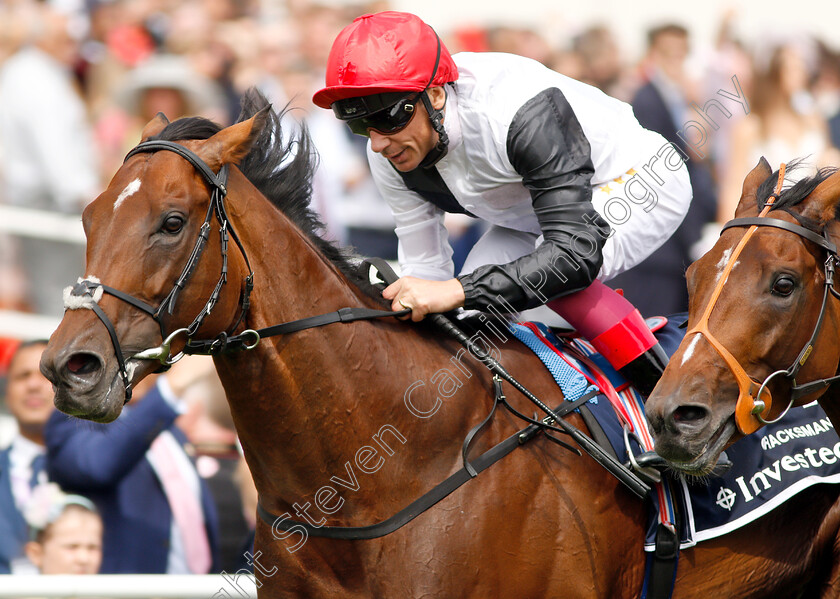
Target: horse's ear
point(155, 126)
point(822, 203)
point(232, 144)
point(748, 204)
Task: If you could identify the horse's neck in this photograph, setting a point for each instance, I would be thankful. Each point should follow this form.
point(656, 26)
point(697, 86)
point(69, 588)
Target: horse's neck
point(307, 403)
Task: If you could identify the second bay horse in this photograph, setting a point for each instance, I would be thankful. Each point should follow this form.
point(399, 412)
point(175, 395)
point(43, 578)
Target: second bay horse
point(763, 322)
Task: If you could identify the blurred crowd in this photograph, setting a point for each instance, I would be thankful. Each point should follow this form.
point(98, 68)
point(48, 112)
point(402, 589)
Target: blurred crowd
point(163, 490)
point(80, 78)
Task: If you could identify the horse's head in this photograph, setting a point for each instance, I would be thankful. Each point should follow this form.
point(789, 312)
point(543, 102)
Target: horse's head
point(758, 322)
point(148, 278)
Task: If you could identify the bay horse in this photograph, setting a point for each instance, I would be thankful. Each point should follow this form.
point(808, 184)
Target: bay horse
point(763, 322)
point(346, 424)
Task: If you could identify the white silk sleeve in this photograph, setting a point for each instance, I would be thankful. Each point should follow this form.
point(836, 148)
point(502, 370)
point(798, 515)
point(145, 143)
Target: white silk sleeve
point(643, 207)
point(424, 249)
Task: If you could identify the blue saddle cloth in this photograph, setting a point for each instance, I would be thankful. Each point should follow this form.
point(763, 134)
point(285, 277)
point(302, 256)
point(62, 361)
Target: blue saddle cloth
point(769, 467)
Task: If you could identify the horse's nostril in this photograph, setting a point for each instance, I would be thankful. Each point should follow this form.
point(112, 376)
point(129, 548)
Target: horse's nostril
point(689, 414)
point(82, 363)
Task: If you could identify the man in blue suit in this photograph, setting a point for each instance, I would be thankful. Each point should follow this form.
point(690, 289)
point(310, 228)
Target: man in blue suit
point(657, 286)
point(29, 399)
point(124, 466)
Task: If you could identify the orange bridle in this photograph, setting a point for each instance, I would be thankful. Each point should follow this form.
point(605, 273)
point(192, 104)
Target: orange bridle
point(754, 399)
point(749, 403)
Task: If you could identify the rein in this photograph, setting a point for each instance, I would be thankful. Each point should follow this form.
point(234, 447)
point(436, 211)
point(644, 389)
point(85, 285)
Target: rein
point(551, 423)
point(88, 292)
point(754, 397)
point(470, 470)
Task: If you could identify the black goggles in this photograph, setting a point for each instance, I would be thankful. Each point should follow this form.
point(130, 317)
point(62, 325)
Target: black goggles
point(385, 121)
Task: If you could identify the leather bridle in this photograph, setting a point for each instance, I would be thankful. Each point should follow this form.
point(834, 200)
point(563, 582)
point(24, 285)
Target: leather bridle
point(87, 288)
point(87, 292)
point(754, 397)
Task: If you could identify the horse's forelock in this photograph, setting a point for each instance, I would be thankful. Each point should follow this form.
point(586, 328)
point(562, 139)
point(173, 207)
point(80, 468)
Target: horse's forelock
point(796, 193)
point(282, 167)
point(188, 128)
point(793, 199)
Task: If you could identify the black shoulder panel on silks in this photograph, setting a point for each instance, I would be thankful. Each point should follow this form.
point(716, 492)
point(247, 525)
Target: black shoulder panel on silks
point(431, 186)
point(547, 146)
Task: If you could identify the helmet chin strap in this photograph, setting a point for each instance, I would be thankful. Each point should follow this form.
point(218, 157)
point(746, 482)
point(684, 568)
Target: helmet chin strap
point(436, 118)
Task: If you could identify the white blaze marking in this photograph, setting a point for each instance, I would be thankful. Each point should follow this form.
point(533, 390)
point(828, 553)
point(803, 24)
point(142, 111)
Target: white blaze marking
point(724, 260)
point(690, 350)
point(129, 191)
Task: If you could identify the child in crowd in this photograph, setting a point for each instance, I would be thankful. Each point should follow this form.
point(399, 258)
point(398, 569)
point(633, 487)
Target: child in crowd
point(66, 532)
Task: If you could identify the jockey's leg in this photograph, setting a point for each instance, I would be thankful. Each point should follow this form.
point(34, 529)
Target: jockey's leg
point(617, 330)
point(598, 313)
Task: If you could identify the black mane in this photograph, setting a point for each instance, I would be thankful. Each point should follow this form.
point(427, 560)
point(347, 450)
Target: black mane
point(794, 195)
point(282, 169)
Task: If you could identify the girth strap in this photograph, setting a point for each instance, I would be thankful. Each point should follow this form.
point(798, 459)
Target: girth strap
point(661, 566)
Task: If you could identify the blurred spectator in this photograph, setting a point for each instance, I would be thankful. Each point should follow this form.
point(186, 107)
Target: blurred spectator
point(208, 425)
point(728, 59)
point(158, 513)
point(194, 31)
point(569, 63)
point(118, 42)
point(170, 84)
point(827, 90)
point(53, 164)
point(66, 532)
point(657, 285)
point(783, 124)
point(601, 63)
point(13, 280)
point(29, 399)
point(318, 24)
point(519, 40)
point(161, 83)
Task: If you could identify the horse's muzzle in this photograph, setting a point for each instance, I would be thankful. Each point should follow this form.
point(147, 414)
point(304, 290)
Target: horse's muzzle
point(83, 387)
point(687, 434)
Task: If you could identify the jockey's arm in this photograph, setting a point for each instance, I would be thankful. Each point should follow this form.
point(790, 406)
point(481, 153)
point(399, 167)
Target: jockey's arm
point(547, 147)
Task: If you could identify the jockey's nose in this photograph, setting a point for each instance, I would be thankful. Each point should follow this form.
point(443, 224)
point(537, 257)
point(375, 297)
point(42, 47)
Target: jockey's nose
point(378, 142)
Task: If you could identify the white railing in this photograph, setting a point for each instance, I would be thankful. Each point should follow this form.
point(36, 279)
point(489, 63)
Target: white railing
point(38, 224)
point(24, 326)
point(130, 586)
point(41, 224)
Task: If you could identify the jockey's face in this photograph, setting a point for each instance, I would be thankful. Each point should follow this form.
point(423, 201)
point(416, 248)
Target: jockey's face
point(407, 148)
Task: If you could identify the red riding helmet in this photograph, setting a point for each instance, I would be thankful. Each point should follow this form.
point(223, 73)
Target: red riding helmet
point(385, 52)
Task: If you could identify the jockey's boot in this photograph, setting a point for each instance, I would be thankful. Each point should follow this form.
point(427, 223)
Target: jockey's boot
point(617, 331)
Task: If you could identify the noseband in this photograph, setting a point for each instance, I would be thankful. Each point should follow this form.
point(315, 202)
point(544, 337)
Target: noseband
point(87, 292)
point(754, 398)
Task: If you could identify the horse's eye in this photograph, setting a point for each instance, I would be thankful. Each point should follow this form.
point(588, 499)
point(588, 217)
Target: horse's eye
point(173, 224)
point(783, 286)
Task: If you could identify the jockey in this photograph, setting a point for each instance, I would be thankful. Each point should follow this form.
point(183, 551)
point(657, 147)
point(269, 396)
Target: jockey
point(572, 187)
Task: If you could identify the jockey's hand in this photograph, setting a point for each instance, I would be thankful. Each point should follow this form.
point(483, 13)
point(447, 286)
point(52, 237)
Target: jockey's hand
point(423, 296)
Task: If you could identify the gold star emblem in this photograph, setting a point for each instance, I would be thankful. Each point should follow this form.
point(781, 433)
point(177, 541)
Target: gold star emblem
point(631, 172)
point(605, 188)
point(619, 180)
